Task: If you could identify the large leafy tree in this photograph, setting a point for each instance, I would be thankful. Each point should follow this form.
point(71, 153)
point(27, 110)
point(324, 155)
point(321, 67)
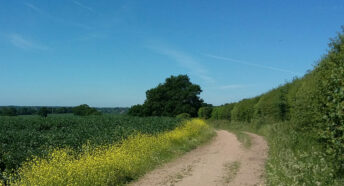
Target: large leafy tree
point(175, 96)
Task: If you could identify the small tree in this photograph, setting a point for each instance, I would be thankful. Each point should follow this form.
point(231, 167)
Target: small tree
point(43, 112)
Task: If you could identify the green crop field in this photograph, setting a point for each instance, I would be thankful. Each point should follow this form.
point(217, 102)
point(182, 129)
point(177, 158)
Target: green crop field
point(22, 137)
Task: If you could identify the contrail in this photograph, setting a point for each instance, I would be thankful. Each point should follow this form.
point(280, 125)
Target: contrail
point(250, 64)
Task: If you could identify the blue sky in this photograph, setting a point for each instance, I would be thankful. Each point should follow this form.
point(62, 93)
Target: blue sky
point(108, 53)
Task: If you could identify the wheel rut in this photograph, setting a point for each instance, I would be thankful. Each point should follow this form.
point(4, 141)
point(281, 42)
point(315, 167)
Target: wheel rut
point(223, 161)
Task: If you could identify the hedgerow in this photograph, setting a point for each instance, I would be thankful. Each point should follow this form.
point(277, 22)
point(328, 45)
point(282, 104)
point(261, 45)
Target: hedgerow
point(244, 110)
point(312, 108)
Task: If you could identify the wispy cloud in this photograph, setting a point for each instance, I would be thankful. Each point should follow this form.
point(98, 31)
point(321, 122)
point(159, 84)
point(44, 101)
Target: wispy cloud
point(33, 7)
point(250, 64)
point(55, 18)
point(234, 86)
point(19, 41)
point(92, 36)
point(185, 60)
point(83, 6)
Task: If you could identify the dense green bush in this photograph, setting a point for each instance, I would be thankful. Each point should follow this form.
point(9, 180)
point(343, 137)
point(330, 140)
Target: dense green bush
point(319, 102)
point(331, 88)
point(175, 96)
point(183, 116)
point(136, 110)
point(313, 107)
point(205, 112)
point(273, 105)
point(215, 113)
point(244, 110)
point(223, 111)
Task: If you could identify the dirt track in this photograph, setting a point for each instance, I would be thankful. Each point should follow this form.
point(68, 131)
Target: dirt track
point(224, 161)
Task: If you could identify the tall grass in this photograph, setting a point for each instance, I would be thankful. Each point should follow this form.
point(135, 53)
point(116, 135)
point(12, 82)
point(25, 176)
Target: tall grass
point(112, 164)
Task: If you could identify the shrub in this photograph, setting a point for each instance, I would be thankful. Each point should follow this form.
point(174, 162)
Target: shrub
point(215, 114)
point(136, 110)
point(273, 105)
point(205, 112)
point(244, 110)
point(223, 112)
point(331, 107)
point(183, 116)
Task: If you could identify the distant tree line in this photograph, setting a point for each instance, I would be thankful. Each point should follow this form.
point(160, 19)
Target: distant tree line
point(31, 110)
point(44, 111)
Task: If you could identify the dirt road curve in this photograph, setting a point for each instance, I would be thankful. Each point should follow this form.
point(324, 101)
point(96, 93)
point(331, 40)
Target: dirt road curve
point(224, 161)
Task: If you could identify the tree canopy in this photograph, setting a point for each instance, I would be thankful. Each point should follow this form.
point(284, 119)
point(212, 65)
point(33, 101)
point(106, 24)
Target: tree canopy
point(85, 110)
point(175, 96)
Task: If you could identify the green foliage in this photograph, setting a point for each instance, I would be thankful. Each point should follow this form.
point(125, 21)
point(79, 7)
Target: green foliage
point(311, 142)
point(26, 110)
point(62, 110)
point(215, 114)
point(85, 110)
point(318, 105)
point(273, 105)
point(177, 95)
point(331, 88)
point(136, 110)
point(244, 110)
point(24, 136)
point(183, 116)
point(8, 111)
point(43, 112)
point(205, 112)
point(223, 112)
